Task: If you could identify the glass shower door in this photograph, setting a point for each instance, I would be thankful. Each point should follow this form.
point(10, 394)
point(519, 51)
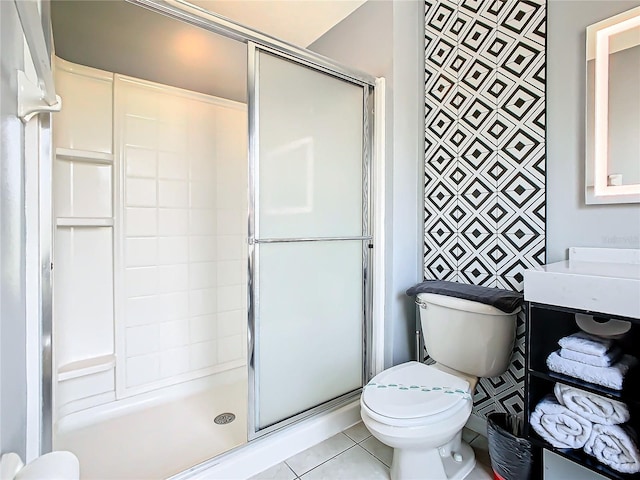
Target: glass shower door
point(309, 237)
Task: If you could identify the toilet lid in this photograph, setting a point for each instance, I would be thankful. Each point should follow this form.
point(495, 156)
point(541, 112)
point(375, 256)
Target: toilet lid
point(413, 390)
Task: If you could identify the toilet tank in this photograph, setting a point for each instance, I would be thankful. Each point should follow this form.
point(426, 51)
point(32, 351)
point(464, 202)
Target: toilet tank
point(467, 336)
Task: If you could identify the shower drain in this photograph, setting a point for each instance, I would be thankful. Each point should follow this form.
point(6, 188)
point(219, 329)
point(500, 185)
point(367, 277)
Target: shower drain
point(224, 418)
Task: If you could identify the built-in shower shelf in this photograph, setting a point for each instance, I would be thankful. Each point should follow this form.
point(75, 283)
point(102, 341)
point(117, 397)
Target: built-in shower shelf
point(88, 366)
point(86, 156)
point(84, 222)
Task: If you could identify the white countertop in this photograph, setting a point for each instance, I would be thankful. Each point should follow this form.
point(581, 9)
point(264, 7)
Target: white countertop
point(596, 269)
point(594, 279)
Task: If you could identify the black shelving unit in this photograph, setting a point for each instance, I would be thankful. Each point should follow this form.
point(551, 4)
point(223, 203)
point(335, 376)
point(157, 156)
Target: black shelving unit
point(545, 325)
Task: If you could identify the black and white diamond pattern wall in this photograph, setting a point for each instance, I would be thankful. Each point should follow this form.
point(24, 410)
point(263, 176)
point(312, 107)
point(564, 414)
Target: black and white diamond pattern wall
point(485, 155)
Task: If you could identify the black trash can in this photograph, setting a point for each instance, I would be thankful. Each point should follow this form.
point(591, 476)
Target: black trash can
point(510, 453)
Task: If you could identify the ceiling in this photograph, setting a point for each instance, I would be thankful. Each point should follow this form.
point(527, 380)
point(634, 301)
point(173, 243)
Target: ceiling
point(300, 22)
point(124, 38)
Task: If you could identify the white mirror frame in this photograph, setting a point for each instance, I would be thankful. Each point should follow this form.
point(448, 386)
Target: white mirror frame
point(598, 190)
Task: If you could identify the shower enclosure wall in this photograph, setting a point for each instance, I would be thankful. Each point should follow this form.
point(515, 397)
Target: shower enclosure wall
point(150, 187)
point(207, 245)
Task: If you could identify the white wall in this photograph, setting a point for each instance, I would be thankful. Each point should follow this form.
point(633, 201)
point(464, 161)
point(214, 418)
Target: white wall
point(384, 39)
point(571, 223)
point(407, 161)
point(13, 393)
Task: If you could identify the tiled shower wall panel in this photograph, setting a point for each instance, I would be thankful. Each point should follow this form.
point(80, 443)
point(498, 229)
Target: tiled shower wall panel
point(485, 156)
point(184, 210)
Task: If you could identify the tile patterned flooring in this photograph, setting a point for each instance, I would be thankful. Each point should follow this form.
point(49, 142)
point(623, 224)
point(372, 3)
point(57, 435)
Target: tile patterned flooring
point(355, 455)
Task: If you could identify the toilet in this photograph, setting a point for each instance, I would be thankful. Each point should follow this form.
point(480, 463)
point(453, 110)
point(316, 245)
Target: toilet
point(419, 410)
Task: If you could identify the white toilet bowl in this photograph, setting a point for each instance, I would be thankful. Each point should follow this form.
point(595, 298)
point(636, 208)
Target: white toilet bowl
point(420, 411)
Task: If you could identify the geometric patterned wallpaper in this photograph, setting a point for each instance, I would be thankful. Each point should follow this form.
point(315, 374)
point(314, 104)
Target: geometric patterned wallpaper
point(484, 203)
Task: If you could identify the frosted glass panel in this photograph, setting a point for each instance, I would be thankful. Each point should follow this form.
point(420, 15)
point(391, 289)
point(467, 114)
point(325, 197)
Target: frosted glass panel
point(310, 325)
point(310, 150)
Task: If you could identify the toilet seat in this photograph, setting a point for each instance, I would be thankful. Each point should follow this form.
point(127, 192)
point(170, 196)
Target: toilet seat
point(415, 394)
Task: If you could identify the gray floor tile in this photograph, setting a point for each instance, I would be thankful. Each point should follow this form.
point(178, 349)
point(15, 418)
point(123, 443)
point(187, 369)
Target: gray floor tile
point(481, 448)
point(358, 432)
point(280, 471)
point(382, 452)
point(480, 472)
point(354, 464)
point(320, 453)
point(354, 454)
point(468, 435)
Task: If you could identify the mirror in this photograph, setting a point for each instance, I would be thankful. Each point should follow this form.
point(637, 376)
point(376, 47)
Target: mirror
point(613, 110)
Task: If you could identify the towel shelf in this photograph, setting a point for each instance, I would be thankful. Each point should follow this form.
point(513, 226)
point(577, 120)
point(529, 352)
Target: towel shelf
point(589, 387)
point(545, 325)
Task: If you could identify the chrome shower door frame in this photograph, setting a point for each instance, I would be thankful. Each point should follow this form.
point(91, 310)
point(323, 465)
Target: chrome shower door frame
point(254, 431)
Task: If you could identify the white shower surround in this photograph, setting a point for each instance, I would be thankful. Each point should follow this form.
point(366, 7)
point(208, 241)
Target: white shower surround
point(150, 206)
point(182, 284)
point(84, 357)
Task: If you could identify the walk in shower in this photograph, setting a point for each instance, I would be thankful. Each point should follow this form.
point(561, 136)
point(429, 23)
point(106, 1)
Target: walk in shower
point(212, 236)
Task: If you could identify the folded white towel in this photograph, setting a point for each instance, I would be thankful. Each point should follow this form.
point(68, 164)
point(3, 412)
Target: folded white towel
point(606, 360)
point(584, 343)
point(558, 425)
point(612, 377)
point(614, 445)
point(593, 407)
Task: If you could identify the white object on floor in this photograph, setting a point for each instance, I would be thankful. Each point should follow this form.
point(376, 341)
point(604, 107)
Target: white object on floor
point(614, 446)
point(558, 425)
point(420, 410)
point(424, 424)
point(556, 467)
point(52, 466)
point(611, 377)
point(10, 465)
point(593, 407)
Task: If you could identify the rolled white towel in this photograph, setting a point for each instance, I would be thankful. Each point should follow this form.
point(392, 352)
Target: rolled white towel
point(606, 360)
point(611, 377)
point(558, 425)
point(584, 343)
point(615, 446)
point(593, 407)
